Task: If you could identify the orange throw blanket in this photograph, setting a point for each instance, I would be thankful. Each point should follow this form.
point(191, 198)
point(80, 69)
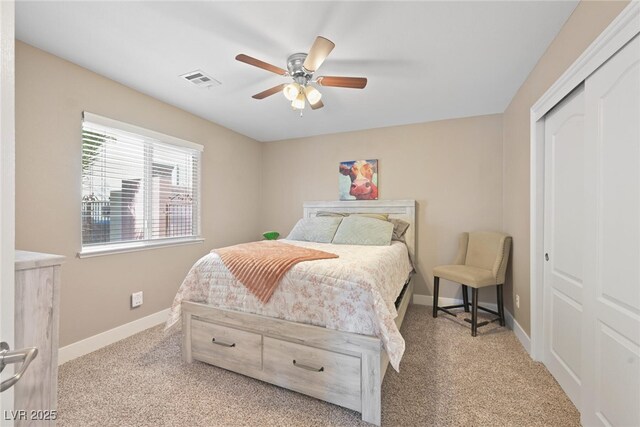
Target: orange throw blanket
point(259, 266)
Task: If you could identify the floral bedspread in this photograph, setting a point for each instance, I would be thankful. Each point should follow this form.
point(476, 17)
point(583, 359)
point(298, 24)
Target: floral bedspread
point(352, 293)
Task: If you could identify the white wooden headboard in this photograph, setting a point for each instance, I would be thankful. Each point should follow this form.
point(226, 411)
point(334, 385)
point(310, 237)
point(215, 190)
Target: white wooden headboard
point(402, 209)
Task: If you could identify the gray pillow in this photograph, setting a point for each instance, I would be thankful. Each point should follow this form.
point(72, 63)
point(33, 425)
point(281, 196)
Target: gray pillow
point(318, 229)
point(358, 230)
point(399, 228)
point(383, 217)
point(327, 213)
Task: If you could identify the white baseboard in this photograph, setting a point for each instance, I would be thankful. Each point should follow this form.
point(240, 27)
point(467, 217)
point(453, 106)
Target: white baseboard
point(511, 322)
point(425, 299)
point(522, 336)
point(96, 342)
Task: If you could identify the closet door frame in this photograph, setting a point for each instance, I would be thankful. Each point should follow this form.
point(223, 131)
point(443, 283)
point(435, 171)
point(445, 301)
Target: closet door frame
point(624, 28)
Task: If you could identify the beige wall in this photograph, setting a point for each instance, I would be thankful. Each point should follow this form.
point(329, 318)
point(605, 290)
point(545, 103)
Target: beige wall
point(452, 168)
point(588, 20)
point(51, 95)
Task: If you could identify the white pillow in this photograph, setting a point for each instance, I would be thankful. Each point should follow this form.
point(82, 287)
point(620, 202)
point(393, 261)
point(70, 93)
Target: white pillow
point(317, 229)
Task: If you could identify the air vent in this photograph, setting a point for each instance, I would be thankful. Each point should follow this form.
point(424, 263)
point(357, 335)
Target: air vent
point(199, 78)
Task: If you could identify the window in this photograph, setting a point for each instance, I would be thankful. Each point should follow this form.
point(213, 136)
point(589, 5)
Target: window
point(140, 188)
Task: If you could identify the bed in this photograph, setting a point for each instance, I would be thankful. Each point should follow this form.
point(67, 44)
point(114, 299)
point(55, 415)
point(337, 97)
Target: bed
point(338, 359)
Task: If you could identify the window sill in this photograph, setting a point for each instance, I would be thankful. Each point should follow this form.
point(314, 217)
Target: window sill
point(135, 247)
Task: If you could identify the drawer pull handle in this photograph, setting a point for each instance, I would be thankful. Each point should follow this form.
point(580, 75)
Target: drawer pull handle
point(224, 344)
point(308, 368)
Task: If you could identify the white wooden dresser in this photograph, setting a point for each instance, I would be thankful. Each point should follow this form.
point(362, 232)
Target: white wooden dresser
point(37, 313)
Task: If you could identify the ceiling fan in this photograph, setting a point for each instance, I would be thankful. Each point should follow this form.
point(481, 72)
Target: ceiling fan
point(301, 66)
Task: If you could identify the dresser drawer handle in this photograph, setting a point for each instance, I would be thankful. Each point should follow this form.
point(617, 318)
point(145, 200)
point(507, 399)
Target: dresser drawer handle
point(308, 368)
point(224, 344)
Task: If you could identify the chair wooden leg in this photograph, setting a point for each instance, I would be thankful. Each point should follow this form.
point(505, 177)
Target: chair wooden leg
point(465, 298)
point(436, 288)
point(501, 305)
point(474, 312)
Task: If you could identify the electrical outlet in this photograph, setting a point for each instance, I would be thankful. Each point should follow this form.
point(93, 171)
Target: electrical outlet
point(517, 300)
point(136, 299)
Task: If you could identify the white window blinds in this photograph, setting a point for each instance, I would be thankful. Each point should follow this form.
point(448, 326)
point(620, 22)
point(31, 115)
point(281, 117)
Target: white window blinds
point(139, 187)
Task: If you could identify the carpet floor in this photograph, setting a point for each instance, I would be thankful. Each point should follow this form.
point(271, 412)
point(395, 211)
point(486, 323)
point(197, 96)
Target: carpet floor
point(447, 378)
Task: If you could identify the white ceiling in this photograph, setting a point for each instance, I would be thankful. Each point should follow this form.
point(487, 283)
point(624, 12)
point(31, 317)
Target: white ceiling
point(424, 60)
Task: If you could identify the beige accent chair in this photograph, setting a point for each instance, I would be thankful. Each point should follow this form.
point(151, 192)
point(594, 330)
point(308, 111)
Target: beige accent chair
point(481, 261)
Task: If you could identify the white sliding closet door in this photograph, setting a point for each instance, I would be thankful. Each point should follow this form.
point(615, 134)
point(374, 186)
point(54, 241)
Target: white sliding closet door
point(564, 242)
point(611, 351)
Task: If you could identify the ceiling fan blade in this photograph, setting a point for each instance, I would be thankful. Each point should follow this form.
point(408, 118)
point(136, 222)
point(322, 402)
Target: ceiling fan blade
point(317, 105)
point(348, 82)
point(261, 64)
point(320, 49)
point(269, 92)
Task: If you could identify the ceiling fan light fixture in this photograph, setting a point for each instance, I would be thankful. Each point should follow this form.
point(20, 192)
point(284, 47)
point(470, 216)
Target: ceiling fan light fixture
point(313, 94)
point(291, 91)
point(301, 68)
point(298, 102)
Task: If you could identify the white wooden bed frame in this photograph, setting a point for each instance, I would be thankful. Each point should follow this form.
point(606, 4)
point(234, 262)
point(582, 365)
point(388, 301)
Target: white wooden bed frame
point(343, 368)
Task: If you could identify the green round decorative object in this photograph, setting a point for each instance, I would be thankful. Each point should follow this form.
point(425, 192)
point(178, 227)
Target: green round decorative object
point(271, 235)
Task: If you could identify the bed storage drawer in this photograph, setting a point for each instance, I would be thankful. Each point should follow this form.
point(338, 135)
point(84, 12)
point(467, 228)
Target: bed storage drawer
point(319, 373)
point(226, 347)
